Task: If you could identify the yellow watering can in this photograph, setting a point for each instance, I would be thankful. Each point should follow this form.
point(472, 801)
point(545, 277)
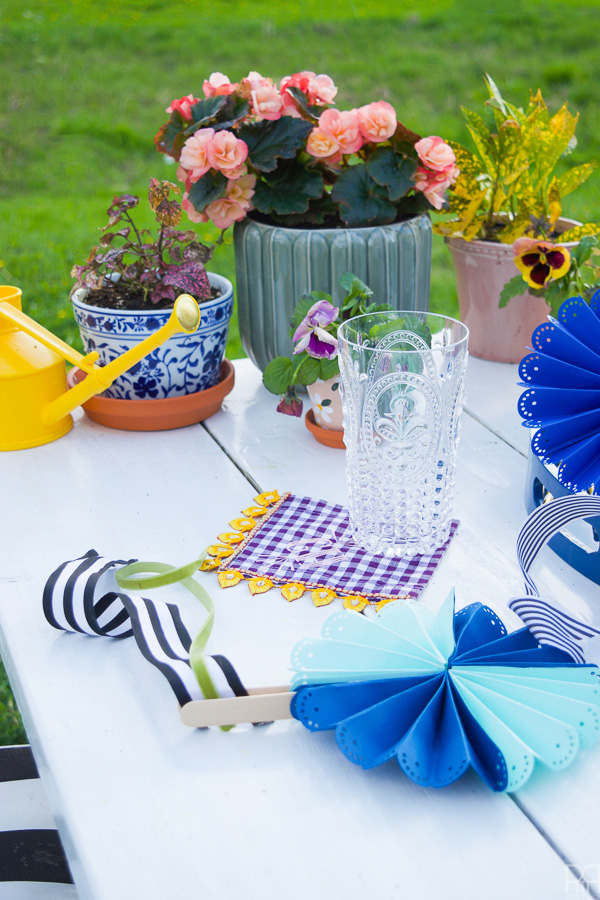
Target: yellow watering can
point(35, 403)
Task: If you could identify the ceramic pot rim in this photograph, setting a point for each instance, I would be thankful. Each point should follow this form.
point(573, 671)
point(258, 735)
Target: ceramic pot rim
point(274, 226)
point(216, 280)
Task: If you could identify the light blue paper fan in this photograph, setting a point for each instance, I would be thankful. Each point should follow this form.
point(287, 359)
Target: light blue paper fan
point(562, 396)
point(441, 693)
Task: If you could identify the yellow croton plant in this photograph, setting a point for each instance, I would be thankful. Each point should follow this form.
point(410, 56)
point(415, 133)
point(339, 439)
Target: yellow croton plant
point(508, 188)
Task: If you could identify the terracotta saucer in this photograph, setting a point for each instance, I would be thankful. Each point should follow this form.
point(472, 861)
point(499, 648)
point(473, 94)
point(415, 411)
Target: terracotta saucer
point(326, 436)
point(157, 415)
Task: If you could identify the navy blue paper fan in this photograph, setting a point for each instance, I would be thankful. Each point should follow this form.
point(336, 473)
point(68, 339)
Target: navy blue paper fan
point(562, 396)
point(443, 693)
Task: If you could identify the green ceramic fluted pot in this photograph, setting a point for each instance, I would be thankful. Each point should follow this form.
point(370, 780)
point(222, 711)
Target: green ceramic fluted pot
point(275, 266)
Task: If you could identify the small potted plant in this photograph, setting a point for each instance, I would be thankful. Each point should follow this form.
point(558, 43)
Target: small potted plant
point(127, 287)
point(308, 186)
point(508, 190)
point(314, 361)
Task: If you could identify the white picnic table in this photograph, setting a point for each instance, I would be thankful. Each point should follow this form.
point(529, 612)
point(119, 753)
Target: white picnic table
point(149, 808)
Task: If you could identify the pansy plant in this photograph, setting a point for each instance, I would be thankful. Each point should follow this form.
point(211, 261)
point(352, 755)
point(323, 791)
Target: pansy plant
point(313, 328)
point(552, 271)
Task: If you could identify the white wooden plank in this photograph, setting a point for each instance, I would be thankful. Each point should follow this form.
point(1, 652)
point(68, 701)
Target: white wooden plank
point(149, 808)
point(492, 392)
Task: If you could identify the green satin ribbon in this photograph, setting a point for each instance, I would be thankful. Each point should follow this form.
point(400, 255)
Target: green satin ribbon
point(128, 578)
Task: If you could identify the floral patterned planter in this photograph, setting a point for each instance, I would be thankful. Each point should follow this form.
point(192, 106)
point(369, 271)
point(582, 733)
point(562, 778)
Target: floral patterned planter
point(326, 403)
point(185, 364)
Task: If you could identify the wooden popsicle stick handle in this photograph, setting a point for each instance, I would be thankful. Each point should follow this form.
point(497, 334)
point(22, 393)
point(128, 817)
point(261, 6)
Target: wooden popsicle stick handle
point(261, 705)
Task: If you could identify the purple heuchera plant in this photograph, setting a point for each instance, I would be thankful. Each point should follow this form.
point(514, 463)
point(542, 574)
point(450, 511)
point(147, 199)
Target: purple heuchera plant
point(160, 269)
point(310, 335)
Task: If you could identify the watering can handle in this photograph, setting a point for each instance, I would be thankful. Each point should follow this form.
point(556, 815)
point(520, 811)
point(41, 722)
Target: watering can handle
point(13, 315)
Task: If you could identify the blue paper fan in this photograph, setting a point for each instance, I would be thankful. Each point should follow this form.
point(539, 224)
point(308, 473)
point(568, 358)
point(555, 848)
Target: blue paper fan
point(444, 692)
point(562, 400)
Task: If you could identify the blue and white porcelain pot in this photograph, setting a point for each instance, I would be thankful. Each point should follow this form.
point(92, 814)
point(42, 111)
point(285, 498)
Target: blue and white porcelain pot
point(185, 364)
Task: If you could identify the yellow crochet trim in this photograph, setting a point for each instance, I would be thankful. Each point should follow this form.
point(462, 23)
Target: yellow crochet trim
point(293, 590)
point(222, 555)
point(356, 602)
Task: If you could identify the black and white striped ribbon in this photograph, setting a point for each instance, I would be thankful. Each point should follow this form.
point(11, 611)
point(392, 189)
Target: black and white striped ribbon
point(71, 603)
point(548, 624)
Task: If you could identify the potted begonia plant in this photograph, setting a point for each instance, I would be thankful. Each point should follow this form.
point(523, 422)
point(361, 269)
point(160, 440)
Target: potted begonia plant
point(127, 287)
point(312, 190)
point(508, 191)
point(313, 363)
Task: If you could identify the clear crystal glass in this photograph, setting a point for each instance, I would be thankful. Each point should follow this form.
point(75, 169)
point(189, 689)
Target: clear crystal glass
point(402, 377)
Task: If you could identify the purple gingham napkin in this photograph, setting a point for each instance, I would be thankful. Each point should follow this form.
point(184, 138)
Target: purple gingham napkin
point(308, 541)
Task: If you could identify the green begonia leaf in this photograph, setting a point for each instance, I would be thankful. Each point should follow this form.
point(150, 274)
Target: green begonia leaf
point(269, 141)
point(392, 171)
point(205, 110)
point(287, 190)
point(208, 188)
point(362, 201)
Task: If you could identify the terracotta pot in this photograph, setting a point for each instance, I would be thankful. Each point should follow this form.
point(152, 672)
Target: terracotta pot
point(482, 269)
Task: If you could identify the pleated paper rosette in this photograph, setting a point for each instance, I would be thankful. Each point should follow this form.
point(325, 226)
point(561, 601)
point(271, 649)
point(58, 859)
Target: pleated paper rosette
point(442, 693)
point(562, 396)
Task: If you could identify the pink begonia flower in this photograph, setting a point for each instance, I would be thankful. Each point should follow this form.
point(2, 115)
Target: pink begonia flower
point(343, 127)
point(242, 190)
point(218, 85)
point(321, 89)
point(322, 144)
point(194, 156)
point(310, 334)
point(266, 100)
point(183, 106)
point(299, 80)
point(435, 154)
point(227, 153)
point(225, 212)
point(435, 184)
point(192, 213)
point(377, 121)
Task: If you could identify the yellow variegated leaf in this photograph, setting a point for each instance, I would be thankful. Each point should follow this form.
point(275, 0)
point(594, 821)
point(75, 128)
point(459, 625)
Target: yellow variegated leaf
point(498, 199)
point(574, 178)
point(466, 161)
point(514, 229)
point(474, 229)
point(482, 139)
point(554, 204)
point(448, 229)
point(575, 234)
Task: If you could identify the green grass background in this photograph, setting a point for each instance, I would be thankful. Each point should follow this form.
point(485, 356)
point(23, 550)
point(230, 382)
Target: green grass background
point(84, 86)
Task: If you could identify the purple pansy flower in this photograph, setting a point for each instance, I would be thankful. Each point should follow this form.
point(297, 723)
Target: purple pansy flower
point(311, 335)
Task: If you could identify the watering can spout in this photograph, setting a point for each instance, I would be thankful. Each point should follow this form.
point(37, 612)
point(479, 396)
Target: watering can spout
point(33, 390)
point(185, 317)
